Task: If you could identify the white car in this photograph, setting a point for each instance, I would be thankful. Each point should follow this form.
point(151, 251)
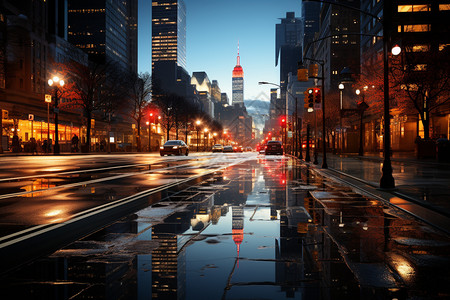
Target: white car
point(217, 148)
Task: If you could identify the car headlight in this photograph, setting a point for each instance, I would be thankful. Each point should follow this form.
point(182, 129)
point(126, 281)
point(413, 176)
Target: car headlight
point(162, 148)
point(175, 147)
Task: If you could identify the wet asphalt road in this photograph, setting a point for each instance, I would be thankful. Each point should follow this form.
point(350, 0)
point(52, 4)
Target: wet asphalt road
point(267, 228)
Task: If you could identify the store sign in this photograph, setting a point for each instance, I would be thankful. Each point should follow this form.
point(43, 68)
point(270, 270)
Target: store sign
point(48, 98)
point(30, 117)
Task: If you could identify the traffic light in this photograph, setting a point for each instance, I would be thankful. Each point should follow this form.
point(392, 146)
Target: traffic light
point(283, 122)
point(310, 98)
point(317, 95)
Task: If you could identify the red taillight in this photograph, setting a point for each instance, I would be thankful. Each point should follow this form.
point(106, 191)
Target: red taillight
point(265, 147)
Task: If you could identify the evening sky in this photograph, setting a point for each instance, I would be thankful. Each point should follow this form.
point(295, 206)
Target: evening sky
point(214, 28)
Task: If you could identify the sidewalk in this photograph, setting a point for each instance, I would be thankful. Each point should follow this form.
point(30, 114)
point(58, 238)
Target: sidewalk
point(425, 181)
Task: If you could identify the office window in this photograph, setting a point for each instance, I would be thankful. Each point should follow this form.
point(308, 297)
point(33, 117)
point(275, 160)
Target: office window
point(420, 67)
point(442, 46)
point(414, 28)
point(444, 6)
point(414, 8)
point(418, 48)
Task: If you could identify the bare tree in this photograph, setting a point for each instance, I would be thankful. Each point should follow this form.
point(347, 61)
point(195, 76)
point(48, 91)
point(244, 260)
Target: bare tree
point(140, 92)
point(424, 78)
point(84, 88)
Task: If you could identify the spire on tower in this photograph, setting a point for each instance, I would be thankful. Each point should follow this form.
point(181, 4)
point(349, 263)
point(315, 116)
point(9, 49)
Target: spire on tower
point(238, 57)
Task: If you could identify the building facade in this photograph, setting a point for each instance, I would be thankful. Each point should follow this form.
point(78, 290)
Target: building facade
point(106, 30)
point(169, 31)
point(288, 47)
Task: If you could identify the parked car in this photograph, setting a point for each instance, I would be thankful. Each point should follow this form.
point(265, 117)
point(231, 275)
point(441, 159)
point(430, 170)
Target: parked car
point(238, 149)
point(274, 147)
point(174, 147)
point(217, 148)
point(228, 149)
point(249, 149)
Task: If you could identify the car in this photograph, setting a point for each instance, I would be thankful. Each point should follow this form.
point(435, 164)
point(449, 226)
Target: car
point(217, 148)
point(249, 149)
point(261, 148)
point(228, 149)
point(174, 147)
point(274, 147)
point(238, 149)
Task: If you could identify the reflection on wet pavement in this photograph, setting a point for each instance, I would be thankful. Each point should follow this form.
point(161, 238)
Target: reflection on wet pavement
point(267, 228)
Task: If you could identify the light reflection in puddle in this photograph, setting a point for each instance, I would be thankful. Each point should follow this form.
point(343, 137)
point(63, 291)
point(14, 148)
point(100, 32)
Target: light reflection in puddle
point(250, 232)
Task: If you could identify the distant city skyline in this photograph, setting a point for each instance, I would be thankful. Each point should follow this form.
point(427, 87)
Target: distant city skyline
point(213, 32)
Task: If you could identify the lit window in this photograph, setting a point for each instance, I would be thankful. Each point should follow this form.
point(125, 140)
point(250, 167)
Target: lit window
point(418, 48)
point(414, 8)
point(444, 6)
point(415, 28)
point(420, 67)
point(442, 46)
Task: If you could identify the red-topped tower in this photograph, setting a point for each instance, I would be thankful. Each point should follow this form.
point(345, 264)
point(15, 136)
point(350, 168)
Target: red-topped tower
point(237, 227)
point(238, 83)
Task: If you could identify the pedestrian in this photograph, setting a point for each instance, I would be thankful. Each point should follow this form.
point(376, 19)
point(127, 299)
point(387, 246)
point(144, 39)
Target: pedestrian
point(16, 144)
point(75, 143)
point(33, 146)
point(45, 146)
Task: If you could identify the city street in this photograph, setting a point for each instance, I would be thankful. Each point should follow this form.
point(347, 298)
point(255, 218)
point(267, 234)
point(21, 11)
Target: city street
point(250, 226)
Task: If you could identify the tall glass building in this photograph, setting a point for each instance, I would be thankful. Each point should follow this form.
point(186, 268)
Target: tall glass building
point(169, 31)
point(288, 49)
point(238, 83)
point(101, 28)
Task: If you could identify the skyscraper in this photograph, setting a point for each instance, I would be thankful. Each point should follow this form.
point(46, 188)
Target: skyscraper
point(105, 30)
point(288, 49)
point(169, 31)
point(310, 15)
point(238, 83)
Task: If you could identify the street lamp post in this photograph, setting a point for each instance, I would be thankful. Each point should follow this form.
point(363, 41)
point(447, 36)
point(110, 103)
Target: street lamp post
point(324, 144)
point(205, 130)
point(198, 122)
point(386, 180)
point(341, 134)
point(361, 107)
point(48, 100)
point(149, 124)
point(56, 81)
point(152, 118)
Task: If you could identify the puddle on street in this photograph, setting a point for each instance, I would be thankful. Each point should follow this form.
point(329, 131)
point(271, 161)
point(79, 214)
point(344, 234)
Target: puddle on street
point(265, 229)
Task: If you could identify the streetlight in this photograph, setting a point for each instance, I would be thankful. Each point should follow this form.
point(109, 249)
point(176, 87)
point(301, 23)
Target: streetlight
point(396, 50)
point(56, 81)
point(324, 144)
point(361, 107)
point(198, 122)
point(149, 135)
point(48, 100)
point(205, 130)
point(149, 123)
point(341, 134)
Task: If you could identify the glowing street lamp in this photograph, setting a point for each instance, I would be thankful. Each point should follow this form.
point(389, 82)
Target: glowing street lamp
point(396, 50)
point(205, 130)
point(198, 122)
point(56, 81)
